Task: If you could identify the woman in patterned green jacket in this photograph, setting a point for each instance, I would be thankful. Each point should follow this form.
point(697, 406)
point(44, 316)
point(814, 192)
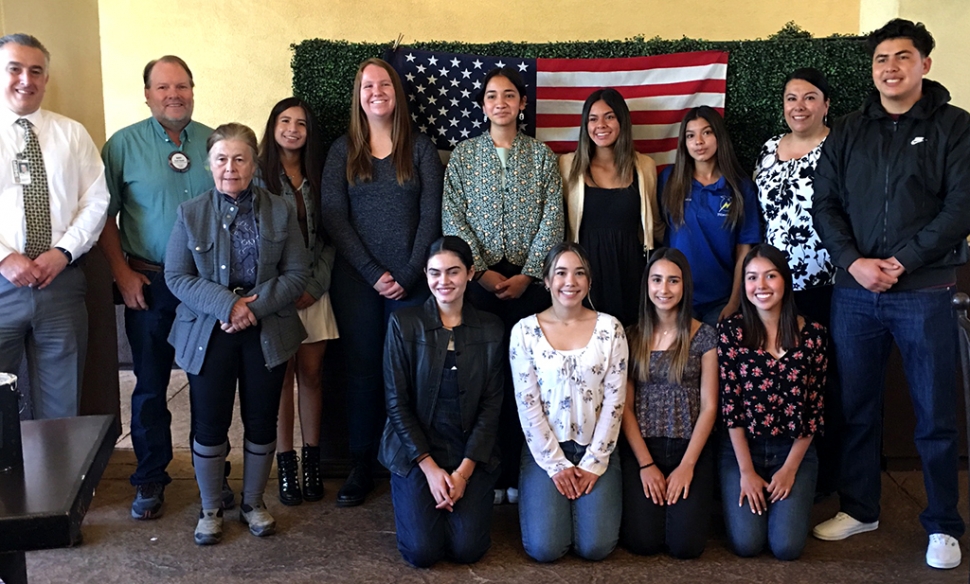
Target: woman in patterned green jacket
point(503, 195)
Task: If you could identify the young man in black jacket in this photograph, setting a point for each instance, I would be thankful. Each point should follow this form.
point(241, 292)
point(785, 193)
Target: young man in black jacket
point(892, 206)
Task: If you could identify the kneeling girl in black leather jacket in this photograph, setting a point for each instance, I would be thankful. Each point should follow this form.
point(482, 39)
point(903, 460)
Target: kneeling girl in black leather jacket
point(443, 387)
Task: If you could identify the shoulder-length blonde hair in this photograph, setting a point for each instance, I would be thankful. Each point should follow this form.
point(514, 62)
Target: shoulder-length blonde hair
point(624, 155)
point(359, 161)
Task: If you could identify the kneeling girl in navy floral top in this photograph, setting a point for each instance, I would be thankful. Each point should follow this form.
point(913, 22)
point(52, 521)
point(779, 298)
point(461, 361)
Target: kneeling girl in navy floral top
point(772, 365)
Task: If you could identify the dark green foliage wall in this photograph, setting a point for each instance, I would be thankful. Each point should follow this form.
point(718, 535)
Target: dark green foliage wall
point(323, 73)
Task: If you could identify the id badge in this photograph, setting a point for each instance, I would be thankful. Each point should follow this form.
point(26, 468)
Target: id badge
point(21, 171)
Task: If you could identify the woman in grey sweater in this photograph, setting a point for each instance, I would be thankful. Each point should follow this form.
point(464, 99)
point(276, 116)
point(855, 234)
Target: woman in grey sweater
point(381, 205)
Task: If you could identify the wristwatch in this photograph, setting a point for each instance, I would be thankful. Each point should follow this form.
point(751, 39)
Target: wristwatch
point(66, 253)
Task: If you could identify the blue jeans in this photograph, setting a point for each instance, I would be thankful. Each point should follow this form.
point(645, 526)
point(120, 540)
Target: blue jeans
point(922, 323)
point(682, 527)
point(784, 526)
point(362, 316)
point(426, 535)
point(551, 523)
point(152, 359)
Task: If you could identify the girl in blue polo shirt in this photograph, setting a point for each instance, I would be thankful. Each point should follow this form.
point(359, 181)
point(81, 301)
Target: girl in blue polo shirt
point(711, 208)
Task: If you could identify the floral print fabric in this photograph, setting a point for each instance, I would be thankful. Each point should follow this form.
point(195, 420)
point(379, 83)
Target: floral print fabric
point(669, 410)
point(768, 396)
point(785, 191)
point(519, 219)
point(570, 395)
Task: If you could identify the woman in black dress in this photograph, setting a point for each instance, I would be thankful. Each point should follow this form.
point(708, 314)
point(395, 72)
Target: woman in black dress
point(610, 197)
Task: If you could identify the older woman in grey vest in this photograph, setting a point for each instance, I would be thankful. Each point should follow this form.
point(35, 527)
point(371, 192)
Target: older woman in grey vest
point(237, 263)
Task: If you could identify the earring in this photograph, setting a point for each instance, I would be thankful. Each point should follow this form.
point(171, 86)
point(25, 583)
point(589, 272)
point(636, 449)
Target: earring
point(521, 116)
point(825, 120)
point(486, 118)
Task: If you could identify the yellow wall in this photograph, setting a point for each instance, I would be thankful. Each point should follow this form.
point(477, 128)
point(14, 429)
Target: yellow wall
point(240, 52)
point(69, 30)
point(875, 13)
point(948, 21)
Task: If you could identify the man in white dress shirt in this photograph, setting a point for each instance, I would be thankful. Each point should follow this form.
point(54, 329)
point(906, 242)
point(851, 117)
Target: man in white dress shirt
point(53, 204)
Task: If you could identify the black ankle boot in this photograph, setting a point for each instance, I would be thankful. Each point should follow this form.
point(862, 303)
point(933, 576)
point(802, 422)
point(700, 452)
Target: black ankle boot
point(358, 484)
point(312, 484)
point(286, 467)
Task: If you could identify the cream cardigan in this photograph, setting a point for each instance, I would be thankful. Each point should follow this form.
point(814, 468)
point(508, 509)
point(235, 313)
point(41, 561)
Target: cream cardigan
point(650, 219)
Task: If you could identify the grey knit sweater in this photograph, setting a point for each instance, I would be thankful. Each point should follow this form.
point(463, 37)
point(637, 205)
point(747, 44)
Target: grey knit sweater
point(381, 226)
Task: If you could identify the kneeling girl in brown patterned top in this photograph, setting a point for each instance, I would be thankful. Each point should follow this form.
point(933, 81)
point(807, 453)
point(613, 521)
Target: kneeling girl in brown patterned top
point(671, 405)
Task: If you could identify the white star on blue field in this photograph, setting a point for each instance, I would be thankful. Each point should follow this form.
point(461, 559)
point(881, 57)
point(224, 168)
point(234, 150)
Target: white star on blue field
point(442, 88)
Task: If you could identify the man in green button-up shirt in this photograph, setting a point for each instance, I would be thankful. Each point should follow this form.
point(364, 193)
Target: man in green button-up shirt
point(151, 168)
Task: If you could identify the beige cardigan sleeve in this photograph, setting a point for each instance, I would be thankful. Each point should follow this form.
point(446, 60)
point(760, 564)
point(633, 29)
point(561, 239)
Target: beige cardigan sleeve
point(574, 193)
point(651, 219)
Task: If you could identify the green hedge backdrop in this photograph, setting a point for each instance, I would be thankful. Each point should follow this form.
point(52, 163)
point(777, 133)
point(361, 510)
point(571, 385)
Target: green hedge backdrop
point(323, 73)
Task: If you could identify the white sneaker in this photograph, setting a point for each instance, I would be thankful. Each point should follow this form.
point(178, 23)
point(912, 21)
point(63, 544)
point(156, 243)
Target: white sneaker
point(209, 529)
point(260, 522)
point(842, 526)
point(512, 495)
point(943, 552)
point(498, 497)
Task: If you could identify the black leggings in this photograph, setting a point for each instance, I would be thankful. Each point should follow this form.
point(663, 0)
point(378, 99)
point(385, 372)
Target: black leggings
point(230, 358)
point(681, 528)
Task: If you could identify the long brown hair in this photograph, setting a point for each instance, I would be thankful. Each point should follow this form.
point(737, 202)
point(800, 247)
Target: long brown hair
point(311, 155)
point(679, 184)
point(624, 156)
point(755, 335)
point(359, 163)
point(641, 335)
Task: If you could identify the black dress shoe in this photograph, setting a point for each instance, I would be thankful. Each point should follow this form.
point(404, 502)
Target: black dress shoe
point(312, 483)
point(286, 468)
point(357, 487)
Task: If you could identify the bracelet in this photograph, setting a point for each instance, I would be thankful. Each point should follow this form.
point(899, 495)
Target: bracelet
point(463, 477)
point(421, 458)
point(648, 465)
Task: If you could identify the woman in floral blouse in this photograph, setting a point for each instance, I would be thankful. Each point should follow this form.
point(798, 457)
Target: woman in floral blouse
point(773, 366)
point(503, 195)
point(569, 369)
point(671, 405)
point(785, 176)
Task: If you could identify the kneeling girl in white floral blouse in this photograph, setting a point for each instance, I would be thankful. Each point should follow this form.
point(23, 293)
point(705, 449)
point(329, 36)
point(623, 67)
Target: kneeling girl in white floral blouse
point(569, 370)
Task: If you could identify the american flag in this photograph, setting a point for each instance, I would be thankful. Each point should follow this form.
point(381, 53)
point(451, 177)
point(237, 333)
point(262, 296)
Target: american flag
point(442, 87)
